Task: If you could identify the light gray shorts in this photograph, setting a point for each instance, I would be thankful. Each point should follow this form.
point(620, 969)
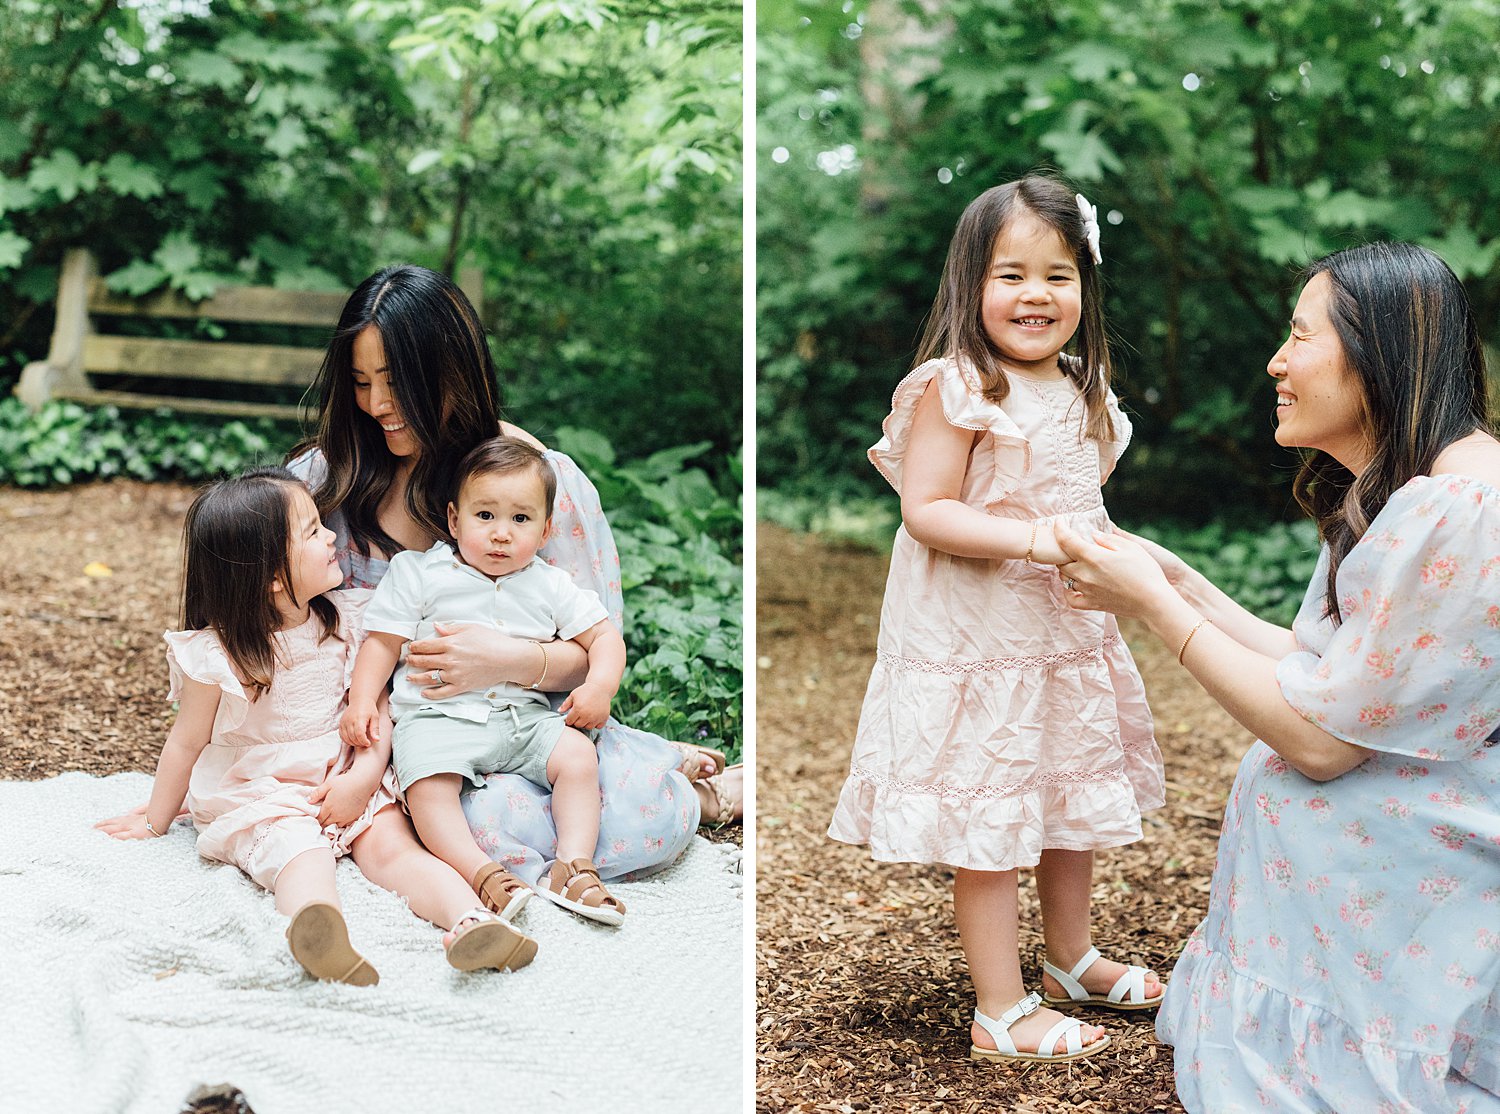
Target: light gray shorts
point(517, 739)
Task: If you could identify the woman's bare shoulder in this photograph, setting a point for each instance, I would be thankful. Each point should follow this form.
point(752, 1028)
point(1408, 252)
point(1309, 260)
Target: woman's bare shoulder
point(1476, 456)
point(508, 430)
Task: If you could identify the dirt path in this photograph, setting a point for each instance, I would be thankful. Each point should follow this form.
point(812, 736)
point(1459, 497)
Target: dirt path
point(862, 991)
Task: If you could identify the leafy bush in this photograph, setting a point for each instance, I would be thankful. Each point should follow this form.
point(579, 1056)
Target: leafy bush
point(66, 443)
point(679, 536)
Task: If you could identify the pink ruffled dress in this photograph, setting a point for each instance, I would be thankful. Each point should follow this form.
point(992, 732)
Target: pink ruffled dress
point(248, 792)
point(998, 721)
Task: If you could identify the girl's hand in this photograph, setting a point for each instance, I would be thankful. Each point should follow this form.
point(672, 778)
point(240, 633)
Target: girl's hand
point(1111, 573)
point(360, 726)
point(132, 825)
point(587, 706)
point(1046, 551)
point(343, 798)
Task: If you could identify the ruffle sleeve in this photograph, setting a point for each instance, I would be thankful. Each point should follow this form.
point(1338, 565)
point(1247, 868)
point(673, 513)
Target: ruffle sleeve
point(1414, 668)
point(1110, 452)
point(1004, 453)
point(582, 544)
point(198, 654)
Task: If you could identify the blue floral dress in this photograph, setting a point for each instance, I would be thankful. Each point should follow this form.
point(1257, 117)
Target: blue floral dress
point(1350, 959)
point(650, 811)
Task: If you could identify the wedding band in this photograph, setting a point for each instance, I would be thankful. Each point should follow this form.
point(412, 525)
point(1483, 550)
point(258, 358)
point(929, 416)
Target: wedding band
point(1068, 583)
point(437, 676)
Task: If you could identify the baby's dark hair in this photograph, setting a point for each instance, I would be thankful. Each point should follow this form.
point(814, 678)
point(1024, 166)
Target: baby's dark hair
point(502, 456)
point(236, 543)
point(955, 326)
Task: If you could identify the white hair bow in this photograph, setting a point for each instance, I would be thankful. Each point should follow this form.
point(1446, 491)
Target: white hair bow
point(1090, 217)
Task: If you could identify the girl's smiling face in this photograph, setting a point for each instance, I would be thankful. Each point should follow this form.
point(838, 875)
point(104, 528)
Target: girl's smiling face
point(1319, 401)
point(1033, 297)
point(373, 394)
point(311, 557)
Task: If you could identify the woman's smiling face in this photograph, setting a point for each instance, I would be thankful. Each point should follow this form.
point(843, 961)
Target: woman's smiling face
point(373, 394)
point(1319, 401)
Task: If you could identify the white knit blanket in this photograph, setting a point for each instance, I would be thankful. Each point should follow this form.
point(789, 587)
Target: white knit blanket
point(134, 972)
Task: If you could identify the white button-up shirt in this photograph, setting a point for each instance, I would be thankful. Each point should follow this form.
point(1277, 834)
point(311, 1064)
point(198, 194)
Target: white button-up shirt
point(538, 602)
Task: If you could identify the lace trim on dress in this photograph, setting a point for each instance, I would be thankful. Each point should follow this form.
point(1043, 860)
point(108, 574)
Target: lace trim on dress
point(1078, 469)
point(1042, 661)
point(990, 792)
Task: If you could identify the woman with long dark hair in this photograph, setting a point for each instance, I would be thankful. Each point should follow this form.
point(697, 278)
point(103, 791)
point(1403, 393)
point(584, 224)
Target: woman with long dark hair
point(1350, 958)
point(406, 390)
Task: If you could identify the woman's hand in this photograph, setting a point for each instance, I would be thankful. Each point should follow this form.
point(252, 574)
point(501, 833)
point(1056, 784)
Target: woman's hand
point(1173, 567)
point(1111, 573)
point(468, 656)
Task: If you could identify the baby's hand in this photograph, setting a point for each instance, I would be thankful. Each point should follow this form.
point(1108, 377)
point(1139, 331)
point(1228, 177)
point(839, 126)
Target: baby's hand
point(359, 726)
point(587, 706)
point(343, 799)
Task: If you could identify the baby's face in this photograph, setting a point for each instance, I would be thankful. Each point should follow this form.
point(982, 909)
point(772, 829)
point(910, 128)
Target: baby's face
point(500, 521)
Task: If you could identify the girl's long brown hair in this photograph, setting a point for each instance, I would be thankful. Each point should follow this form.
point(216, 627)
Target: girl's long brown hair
point(1410, 340)
point(236, 543)
point(955, 327)
point(443, 380)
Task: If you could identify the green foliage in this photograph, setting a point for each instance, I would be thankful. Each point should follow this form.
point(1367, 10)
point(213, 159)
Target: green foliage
point(66, 443)
point(1224, 144)
point(679, 541)
point(584, 155)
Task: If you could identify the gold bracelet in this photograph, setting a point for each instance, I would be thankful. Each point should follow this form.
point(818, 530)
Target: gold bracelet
point(150, 829)
point(538, 682)
point(1031, 545)
point(1189, 638)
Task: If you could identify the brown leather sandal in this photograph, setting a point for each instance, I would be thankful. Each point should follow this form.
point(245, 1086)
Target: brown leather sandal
point(501, 891)
point(481, 939)
point(726, 809)
point(319, 940)
point(691, 766)
point(576, 887)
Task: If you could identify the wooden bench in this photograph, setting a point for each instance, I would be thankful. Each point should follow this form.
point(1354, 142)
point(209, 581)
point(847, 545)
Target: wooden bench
point(149, 371)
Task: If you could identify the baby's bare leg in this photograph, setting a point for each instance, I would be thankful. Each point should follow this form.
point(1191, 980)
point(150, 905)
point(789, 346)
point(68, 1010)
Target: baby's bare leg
point(440, 821)
point(390, 856)
point(573, 770)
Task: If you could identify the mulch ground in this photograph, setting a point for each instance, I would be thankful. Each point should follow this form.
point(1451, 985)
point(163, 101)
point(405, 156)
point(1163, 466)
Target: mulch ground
point(863, 996)
point(90, 577)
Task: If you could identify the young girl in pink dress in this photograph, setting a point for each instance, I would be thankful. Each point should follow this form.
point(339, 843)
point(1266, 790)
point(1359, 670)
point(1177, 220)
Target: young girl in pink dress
point(1002, 729)
point(262, 673)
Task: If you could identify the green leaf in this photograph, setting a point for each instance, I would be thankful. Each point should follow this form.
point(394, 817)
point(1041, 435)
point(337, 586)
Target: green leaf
point(290, 134)
point(422, 160)
point(128, 177)
point(15, 195)
point(199, 186)
point(1082, 155)
point(177, 255)
point(136, 278)
point(62, 173)
point(202, 67)
point(1462, 251)
point(12, 248)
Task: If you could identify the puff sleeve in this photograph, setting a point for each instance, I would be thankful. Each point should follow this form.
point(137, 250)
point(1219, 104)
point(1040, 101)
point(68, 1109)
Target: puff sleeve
point(198, 654)
point(1414, 668)
point(1004, 452)
point(1110, 452)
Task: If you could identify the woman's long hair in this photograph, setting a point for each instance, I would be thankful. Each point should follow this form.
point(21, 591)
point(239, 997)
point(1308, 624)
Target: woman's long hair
point(955, 325)
point(1410, 340)
point(236, 543)
point(443, 379)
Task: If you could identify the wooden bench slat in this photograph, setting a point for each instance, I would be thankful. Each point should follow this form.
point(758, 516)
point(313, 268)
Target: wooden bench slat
point(255, 304)
point(130, 400)
point(264, 364)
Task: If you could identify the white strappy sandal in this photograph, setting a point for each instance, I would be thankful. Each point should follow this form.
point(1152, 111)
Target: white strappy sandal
point(1128, 993)
point(1069, 1028)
